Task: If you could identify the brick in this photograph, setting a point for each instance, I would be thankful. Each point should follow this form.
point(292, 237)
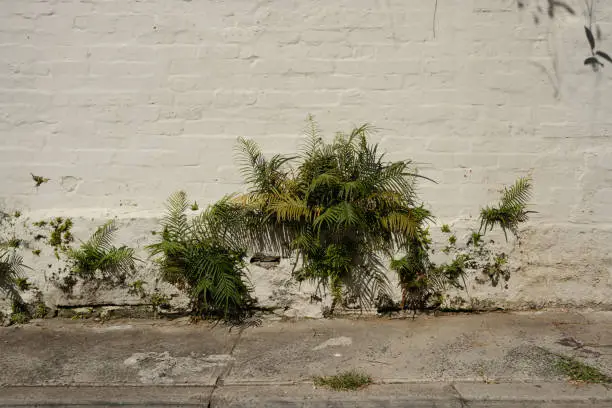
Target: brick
point(378, 82)
point(140, 68)
point(114, 53)
point(200, 98)
point(309, 66)
point(324, 36)
point(70, 68)
point(203, 65)
point(26, 68)
point(204, 127)
point(448, 145)
point(280, 100)
point(156, 157)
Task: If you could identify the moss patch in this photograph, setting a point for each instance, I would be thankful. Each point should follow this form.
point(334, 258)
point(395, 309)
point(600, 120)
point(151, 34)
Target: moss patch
point(577, 371)
point(345, 381)
point(20, 318)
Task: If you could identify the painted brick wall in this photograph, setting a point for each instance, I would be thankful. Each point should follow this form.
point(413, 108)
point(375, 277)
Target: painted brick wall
point(121, 102)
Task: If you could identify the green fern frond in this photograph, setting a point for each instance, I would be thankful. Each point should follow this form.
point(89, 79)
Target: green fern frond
point(341, 215)
point(289, 208)
point(518, 194)
point(324, 180)
point(174, 222)
point(97, 254)
point(367, 281)
point(511, 210)
point(278, 161)
point(102, 239)
point(313, 138)
point(353, 190)
point(349, 216)
point(249, 156)
point(117, 261)
point(11, 268)
point(305, 241)
point(395, 178)
point(261, 174)
point(361, 133)
point(404, 223)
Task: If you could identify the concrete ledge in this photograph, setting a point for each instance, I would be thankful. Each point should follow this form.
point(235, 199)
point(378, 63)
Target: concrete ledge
point(306, 395)
point(563, 395)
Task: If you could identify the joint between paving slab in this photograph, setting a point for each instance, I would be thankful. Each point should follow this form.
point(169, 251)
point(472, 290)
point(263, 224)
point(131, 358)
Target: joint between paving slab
point(220, 378)
point(464, 403)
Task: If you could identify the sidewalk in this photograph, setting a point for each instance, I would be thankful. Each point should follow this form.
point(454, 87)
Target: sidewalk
point(488, 360)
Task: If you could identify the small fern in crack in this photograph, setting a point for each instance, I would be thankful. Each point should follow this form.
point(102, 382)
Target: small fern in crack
point(98, 254)
point(11, 269)
point(199, 255)
point(511, 210)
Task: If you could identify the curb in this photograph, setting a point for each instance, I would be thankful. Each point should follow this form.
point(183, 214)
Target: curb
point(421, 395)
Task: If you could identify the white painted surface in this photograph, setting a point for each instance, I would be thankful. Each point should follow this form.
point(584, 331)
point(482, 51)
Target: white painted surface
point(121, 102)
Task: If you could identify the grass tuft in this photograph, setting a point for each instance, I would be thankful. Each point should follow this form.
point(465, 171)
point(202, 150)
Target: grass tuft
point(345, 381)
point(20, 318)
point(578, 371)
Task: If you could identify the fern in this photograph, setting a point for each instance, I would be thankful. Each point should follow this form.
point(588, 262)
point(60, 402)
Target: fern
point(11, 269)
point(98, 254)
point(313, 141)
point(264, 175)
point(175, 221)
point(511, 210)
point(418, 277)
point(200, 256)
point(340, 207)
point(425, 283)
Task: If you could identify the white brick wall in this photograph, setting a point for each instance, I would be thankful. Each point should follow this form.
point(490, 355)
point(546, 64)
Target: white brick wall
point(136, 99)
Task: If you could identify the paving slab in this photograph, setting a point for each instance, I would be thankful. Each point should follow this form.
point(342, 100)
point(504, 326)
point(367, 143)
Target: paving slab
point(74, 396)
point(56, 352)
point(500, 346)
